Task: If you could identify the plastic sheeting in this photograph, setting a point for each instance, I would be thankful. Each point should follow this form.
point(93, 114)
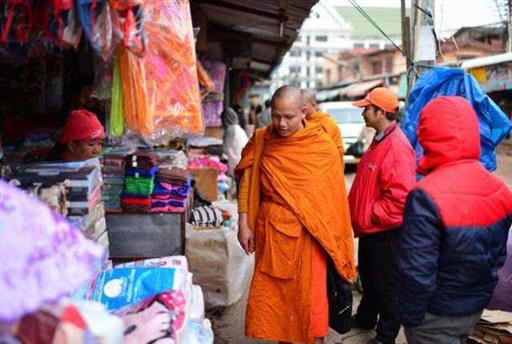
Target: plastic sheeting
point(494, 124)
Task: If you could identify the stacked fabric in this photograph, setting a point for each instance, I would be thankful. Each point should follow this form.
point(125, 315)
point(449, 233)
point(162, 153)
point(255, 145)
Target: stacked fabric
point(171, 191)
point(113, 175)
point(82, 200)
point(139, 182)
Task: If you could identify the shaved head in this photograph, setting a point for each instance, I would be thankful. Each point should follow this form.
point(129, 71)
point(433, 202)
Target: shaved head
point(289, 93)
point(287, 111)
point(309, 101)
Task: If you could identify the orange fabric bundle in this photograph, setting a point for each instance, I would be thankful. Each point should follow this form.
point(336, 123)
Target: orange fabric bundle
point(137, 113)
point(170, 64)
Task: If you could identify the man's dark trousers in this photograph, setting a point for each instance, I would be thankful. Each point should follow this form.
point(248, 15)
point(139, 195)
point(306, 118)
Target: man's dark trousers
point(378, 270)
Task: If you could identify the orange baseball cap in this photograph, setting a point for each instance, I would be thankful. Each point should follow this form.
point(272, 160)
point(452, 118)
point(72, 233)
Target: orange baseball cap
point(381, 97)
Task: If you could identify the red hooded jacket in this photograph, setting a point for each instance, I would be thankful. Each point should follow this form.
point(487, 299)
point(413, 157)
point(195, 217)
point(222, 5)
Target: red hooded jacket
point(385, 175)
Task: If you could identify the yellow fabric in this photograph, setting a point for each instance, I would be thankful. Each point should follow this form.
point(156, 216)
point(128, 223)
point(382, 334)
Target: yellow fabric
point(297, 198)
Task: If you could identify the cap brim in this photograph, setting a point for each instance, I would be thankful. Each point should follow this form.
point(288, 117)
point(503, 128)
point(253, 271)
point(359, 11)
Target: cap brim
point(361, 103)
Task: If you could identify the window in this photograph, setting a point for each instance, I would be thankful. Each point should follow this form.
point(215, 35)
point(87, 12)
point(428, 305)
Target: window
point(321, 38)
point(319, 70)
point(319, 54)
point(358, 45)
point(389, 64)
point(308, 40)
point(328, 76)
point(308, 72)
point(294, 70)
point(308, 55)
point(374, 45)
point(376, 67)
point(298, 39)
point(295, 53)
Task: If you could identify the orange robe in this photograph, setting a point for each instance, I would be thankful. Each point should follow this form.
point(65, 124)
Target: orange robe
point(331, 128)
point(298, 210)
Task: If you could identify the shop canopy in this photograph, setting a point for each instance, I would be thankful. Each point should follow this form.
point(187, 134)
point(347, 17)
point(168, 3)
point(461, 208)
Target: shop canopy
point(361, 88)
point(255, 34)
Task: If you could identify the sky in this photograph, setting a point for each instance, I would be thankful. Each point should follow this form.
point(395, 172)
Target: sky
point(448, 13)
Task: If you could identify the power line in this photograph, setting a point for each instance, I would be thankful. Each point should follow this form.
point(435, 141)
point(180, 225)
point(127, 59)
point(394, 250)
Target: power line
point(364, 14)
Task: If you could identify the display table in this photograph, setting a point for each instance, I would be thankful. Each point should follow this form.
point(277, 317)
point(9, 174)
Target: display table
point(145, 235)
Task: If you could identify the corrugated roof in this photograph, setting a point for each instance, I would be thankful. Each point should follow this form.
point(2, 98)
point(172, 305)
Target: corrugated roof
point(387, 18)
point(268, 27)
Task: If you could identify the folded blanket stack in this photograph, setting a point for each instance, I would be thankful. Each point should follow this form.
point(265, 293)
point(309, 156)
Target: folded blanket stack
point(172, 187)
point(139, 182)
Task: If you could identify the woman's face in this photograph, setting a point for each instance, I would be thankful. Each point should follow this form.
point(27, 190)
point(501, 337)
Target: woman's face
point(84, 149)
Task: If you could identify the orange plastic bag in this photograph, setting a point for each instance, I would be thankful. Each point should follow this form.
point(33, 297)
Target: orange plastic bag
point(137, 112)
point(170, 66)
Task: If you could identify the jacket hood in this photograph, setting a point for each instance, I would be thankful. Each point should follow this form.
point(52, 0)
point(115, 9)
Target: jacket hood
point(448, 131)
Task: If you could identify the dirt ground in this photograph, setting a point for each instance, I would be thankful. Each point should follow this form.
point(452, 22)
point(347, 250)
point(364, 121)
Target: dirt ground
point(228, 323)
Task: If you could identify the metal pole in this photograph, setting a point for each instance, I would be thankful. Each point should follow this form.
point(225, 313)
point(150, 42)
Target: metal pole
point(509, 26)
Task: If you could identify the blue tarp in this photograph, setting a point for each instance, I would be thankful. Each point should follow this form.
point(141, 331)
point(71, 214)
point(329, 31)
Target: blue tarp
point(494, 124)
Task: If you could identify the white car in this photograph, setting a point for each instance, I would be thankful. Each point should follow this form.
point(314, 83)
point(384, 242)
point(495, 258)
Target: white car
point(351, 123)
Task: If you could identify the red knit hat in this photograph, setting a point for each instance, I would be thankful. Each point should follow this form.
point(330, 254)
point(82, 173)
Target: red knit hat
point(81, 125)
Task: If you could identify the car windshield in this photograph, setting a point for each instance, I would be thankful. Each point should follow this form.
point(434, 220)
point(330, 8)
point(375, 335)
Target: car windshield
point(346, 115)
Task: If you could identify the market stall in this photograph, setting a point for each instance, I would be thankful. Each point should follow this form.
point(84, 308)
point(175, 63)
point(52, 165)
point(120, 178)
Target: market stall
point(158, 83)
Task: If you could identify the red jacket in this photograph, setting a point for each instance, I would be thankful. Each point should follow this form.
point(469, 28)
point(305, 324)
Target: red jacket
point(385, 175)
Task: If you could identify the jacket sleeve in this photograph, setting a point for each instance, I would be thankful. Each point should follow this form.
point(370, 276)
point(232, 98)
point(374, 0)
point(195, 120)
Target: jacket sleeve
point(418, 256)
point(397, 177)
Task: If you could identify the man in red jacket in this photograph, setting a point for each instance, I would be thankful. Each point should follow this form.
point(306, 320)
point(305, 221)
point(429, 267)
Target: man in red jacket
point(385, 174)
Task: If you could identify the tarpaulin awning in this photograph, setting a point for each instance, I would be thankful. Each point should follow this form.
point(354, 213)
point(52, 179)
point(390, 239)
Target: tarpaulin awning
point(361, 88)
point(439, 81)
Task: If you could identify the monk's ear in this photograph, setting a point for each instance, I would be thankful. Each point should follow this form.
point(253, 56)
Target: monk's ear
point(304, 111)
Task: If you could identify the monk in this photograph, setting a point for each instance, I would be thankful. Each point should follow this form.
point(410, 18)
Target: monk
point(313, 114)
point(294, 216)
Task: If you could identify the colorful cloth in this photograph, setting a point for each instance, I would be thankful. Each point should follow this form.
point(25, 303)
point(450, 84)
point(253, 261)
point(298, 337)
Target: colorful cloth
point(163, 188)
point(141, 160)
point(174, 175)
point(142, 172)
point(41, 252)
point(140, 186)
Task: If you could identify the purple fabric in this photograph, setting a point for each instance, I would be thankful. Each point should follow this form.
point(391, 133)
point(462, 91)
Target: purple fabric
point(172, 203)
point(502, 297)
point(211, 112)
point(163, 188)
point(43, 258)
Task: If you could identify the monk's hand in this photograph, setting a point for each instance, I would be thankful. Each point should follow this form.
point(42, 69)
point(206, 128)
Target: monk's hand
point(245, 234)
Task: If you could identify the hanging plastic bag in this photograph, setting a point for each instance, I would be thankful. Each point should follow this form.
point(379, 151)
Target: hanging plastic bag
point(19, 17)
point(116, 121)
point(72, 31)
point(138, 115)
point(102, 34)
point(171, 69)
point(128, 19)
point(56, 11)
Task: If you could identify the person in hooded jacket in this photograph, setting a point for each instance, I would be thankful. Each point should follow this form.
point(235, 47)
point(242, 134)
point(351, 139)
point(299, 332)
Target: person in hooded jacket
point(454, 232)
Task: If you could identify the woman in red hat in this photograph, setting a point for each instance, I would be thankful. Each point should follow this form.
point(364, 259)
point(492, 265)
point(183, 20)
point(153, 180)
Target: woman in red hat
point(81, 137)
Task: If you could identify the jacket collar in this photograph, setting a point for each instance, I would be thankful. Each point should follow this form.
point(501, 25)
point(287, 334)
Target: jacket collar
point(385, 133)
